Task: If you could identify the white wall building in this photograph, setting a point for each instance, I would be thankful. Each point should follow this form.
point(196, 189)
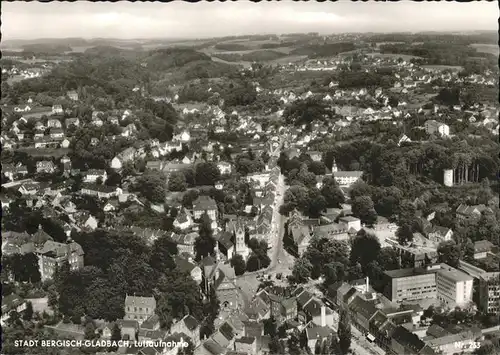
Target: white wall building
point(435, 127)
point(454, 287)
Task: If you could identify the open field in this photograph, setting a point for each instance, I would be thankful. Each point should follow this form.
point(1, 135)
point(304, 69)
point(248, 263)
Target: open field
point(391, 55)
point(444, 67)
point(486, 48)
point(45, 152)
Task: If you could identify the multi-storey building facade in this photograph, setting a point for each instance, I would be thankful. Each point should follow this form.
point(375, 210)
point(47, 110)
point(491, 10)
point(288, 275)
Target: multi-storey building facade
point(410, 284)
point(54, 254)
point(454, 287)
point(139, 308)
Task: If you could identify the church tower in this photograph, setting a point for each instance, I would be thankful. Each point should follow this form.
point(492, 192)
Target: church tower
point(239, 236)
point(334, 167)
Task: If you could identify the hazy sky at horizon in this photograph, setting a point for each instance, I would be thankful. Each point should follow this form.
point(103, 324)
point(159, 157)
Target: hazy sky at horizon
point(31, 20)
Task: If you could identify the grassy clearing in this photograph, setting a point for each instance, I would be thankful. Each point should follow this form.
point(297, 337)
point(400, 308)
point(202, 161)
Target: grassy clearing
point(486, 48)
point(444, 67)
point(45, 152)
point(392, 56)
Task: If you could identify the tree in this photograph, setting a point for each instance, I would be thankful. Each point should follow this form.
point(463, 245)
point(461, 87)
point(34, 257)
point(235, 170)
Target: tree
point(404, 234)
point(301, 271)
point(388, 259)
point(177, 181)
point(449, 253)
point(28, 312)
point(188, 350)
point(332, 193)
point(238, 263)
point(344, 332)
point(205, 243)
point(253, 263)
point(323, 251)
point(365, 248)
point(206, 173)
point(293, 345)
point(116, 335)
point(90, 330)
point(363, 208)
point(151, 185)
point(317, 203)
point(275, 346)
point(270, 327)
point(162, 253)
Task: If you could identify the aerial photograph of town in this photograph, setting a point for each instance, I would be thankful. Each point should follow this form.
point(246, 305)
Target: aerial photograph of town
point(250, 178)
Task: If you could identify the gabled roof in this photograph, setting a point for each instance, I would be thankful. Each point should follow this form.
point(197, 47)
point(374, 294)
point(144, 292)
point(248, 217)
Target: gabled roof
point(318, 332)
point(140, 301)
point(190, 322)
point(365, 308)
point(407, 339)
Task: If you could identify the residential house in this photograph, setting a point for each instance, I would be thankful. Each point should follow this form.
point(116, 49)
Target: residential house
point(29, 189)
point(72, 95)
point(315, 155)
point(347, 178)
point(188, 265)
point(405, 342)
point(93, 175)
point(185, 242)
point(184, 220)
point(101, 191)
point(154, 165)
point(246, 345)
point(224, 167)
point(435, 127)
point(362, 311)
point(57, 109)
point(45, 166)
point(315, 334)
point(128, 328)
point(224, 336)
point(74, 121)
point(11, 303)
point(439, 234)
point(482, 248)
point(189, 326)
point(54, 123)
point(465, 211)
point(449, 344)
point(402, 139)
point(350, 222)
point(205, 204)
point(53, 254)
point(139, 308)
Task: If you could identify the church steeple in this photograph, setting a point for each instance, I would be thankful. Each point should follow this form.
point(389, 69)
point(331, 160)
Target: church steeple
point(334, 166)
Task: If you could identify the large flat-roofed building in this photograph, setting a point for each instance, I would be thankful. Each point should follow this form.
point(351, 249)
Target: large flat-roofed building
point(486, 287)
point(454, 287)
point(411, 284)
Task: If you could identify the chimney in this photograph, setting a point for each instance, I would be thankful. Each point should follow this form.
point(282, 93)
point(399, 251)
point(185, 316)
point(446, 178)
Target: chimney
point(323, 316)
point(39, 227)
point(367, 284)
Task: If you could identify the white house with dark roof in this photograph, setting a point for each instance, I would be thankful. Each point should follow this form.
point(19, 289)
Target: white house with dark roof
point(184, 220)
point(93, 175)
point(11, 303)
point(57, 109)
point(347, 178)
point(435, 127)
point(139, 308)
